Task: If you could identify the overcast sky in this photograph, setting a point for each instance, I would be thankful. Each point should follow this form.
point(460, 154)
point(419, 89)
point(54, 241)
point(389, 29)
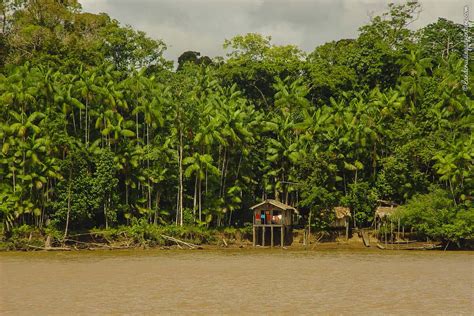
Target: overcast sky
point(202, 25)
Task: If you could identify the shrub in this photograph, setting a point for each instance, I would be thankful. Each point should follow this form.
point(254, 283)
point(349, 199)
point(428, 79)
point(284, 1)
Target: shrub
point(436, 216)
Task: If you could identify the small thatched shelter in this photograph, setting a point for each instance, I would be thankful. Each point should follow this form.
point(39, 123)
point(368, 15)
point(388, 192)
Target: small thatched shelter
point(343, 215)
point(342, 218)
point(272, 214)
point(383, 212)
point(385, 209)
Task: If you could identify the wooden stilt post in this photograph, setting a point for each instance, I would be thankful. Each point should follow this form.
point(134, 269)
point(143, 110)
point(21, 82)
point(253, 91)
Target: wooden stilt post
point(398, 229)
point(347, 229)
point(263, 236)
point(282, 242)
point(398, 234)
point(271, 230)
point(375, 227)
point(254, 236)
point(391, 232)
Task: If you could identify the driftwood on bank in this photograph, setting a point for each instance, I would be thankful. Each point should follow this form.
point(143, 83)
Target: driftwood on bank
point(50, 248)
point(180, 242)
point(88, 234)
point(109, 248)
point(321, 235)
point(98, 246)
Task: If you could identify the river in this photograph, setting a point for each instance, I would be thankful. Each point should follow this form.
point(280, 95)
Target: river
point(240, 281)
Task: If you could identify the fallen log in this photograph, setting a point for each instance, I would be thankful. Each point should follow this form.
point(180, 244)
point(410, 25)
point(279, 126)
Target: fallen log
point(109, 248)
point(50, 248)
point(321, 235)
point(88, 243)
point(88, 234)
point(178, 242)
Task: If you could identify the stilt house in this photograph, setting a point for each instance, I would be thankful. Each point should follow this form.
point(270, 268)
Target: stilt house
point(272, 223)
point(384, 211)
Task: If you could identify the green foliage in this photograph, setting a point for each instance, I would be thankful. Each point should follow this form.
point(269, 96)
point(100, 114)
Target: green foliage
point(362, 200)
point(143, 233)
point(442, 39)
point(434, 215)
point(97, 130)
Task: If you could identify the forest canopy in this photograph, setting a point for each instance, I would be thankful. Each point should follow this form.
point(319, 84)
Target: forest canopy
point(98, 129)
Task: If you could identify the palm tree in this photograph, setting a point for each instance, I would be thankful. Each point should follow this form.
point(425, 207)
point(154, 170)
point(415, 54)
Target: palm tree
point(197, 165)
point(414, 70)
point(116, 127)
point(87, 88)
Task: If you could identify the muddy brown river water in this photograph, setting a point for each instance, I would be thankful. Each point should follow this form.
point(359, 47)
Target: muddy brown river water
point(237, 282)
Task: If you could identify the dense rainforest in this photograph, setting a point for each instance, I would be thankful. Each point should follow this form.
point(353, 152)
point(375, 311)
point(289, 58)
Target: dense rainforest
point(99, 130)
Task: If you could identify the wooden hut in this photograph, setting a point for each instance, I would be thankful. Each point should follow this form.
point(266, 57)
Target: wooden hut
point(272, 223)
point(384, 211)
point(342, 219)
point(382, 217)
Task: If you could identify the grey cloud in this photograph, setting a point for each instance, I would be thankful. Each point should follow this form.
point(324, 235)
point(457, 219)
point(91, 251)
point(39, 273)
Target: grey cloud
point(203, 25)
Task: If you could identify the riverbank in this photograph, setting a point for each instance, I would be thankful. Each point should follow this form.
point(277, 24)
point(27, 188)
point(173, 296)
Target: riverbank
point(142, 235)
point(148, 236)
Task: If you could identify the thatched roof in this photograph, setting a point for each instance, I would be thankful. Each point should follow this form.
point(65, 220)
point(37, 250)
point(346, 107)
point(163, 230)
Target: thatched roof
point(384, 211)
point(275, 204)
point(386, 203)
point(341, 212)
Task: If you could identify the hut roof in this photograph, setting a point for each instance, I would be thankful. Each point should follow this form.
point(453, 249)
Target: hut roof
point(275, 203)
point(386, 203)
point(341, 212)
point(383, 211)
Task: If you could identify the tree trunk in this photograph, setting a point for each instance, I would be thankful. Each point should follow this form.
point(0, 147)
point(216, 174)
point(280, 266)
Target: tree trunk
point(73, 121)
point(14, 179)
point(68, 204)
point(221, 193)
point(177, 207)
point(230, 217)
point(206, 181)
point(126, 193)
point(86, 119)
point(199, 199)
point(105, 216)
point(157, 206)
point(344, 180)
point(148, 163)
point(181, 177)
point(195, 198)
point(136, 125)
point(4, 17)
